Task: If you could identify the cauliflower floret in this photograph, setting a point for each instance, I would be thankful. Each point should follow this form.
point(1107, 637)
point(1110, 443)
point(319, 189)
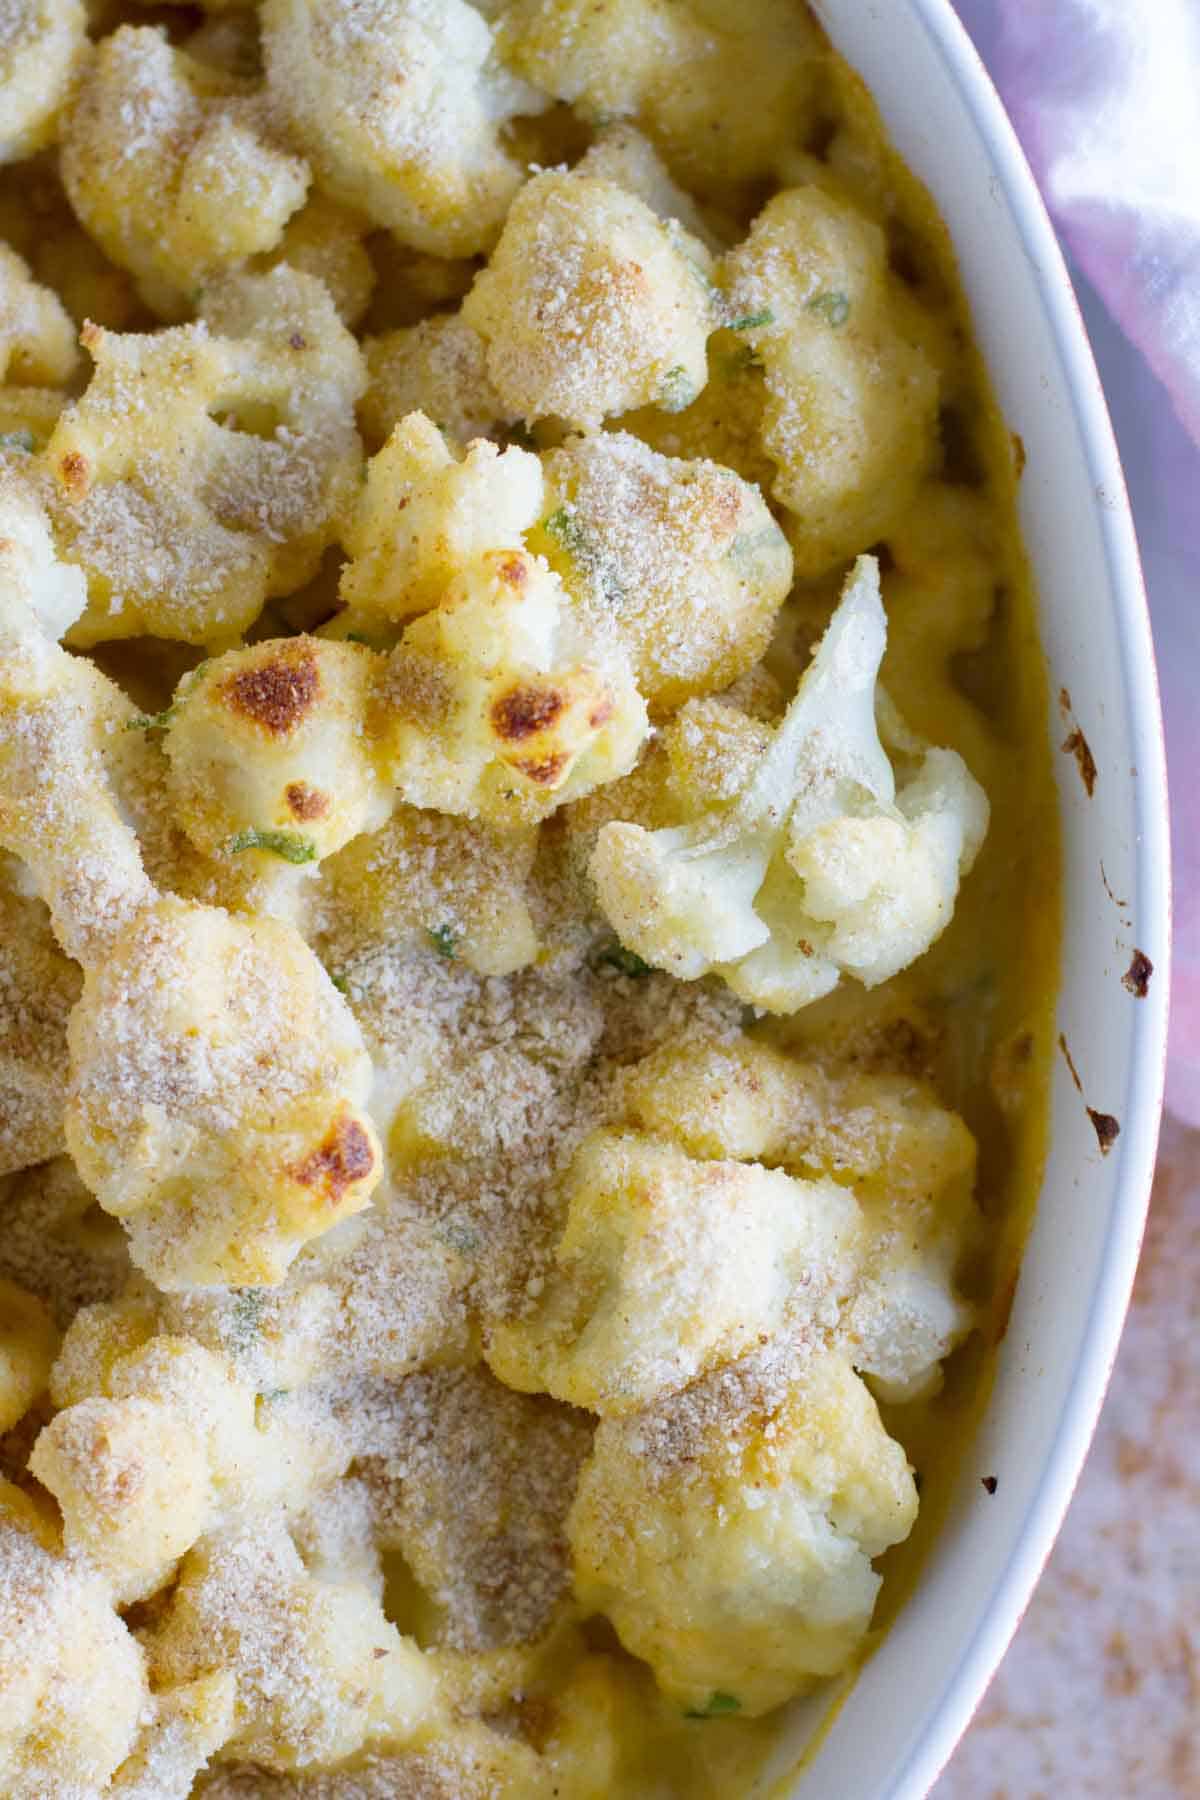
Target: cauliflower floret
point(57, 1242)
point(144, 1467)
point(667, 1267)
point(426, 878)
point(437, 367)
point(267, 751)
point(216, 1105)
point(28, 1342)
point(850, 403)
point(41, 45)
point(246, 1603)
point(171, 165)
point(72, 1678)
point(681, 560)
point(37, 337)
point(59, 717)
point(818, 864)
point(728, 1532)
point(208, 466)
point(474, 1492)
point(908, 1160)
point(624, 157)
point(718, 88)
point(400, 104)
point(184, 1727)
point(500, 704)
point(426, 512)
point(591, 304)
point(160, 1443)
point(40, 597)
point(38, 988)
point(325, 240)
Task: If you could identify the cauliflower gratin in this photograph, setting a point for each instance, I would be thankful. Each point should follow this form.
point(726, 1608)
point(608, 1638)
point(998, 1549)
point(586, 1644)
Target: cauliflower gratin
point(526, 893)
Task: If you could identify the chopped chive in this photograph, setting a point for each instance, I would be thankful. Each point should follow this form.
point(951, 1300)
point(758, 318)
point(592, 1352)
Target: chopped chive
point(751, 321)
point(626, 962)
point(678, 389)
point(248, 1304)
point(834, 308)
point(289, 844)
point(719, 1705)
point(444, 940)
point(340, 983)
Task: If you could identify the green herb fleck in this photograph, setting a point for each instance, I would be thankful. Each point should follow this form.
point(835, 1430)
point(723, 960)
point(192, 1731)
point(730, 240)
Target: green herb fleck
point(751, 321)
point(248, 1304)
point(834, 308)
point(289, 844)
point(678, 389)
point(17, 440)
point(273, 1394)
point(718, 1706)
point(444, 940)
point(626, 962)
point(463, 1238)
point(563, 526)
point(340, 983)
point(153, 721)
point(360, 637)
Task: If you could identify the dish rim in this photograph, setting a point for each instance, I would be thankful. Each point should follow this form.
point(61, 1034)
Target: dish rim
point(1000, 1613)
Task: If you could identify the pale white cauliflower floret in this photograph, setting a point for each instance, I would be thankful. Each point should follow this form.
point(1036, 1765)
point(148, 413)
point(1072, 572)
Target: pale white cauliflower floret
point(728, 1532)
point(426, 511)
point(500, 703)
point(28, 1341)
point(399, 104)
point(819, 864)
point(592, 305)
point(38, 594)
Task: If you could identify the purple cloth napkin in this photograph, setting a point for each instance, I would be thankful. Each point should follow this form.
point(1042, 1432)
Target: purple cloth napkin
point(1105, 95)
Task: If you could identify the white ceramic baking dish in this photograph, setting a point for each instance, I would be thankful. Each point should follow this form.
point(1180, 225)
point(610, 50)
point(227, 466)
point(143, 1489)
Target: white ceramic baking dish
point(891, 1736)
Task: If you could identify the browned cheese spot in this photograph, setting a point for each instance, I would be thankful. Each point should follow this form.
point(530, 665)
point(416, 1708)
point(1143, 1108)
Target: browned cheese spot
point(75, 475)
point(1018, 444)
point(1107, 1129)
point(1137, 976)
point(514, 572)
point(524, 711)
point(277, 694)
point(990, 1483)
point(547, 772)
point(305, 802)
point(298, 341)
point(343, 1157)
point(601, 713)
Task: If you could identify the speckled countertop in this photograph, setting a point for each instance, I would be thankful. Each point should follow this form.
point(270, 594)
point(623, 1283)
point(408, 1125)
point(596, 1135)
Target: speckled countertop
point(1099, 1695)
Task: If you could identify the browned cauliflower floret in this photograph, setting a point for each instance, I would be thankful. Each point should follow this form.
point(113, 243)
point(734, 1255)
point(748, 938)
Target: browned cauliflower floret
point(681, 560)
point(850, 403)
point(207, 466)
point(216, 1106)
point(399, 104)
point(592, 305)
point(719, 88)
point(267, 751)
point(173, 167)
point(500, 703)
point(42, 43)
